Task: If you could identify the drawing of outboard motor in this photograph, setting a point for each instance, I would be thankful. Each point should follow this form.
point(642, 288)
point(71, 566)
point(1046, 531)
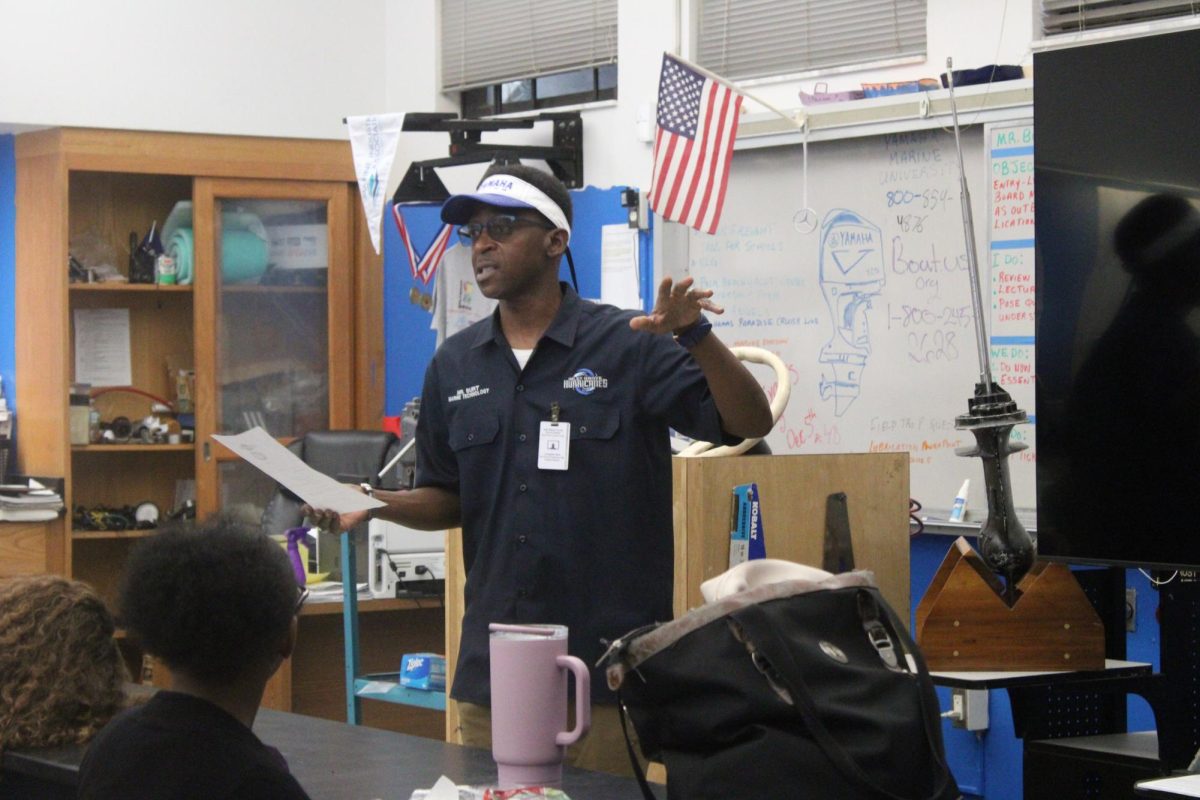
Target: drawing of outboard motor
point(851, 273)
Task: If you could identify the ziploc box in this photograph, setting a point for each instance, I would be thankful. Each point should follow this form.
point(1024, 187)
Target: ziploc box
point(423, 671)
point(746, 540)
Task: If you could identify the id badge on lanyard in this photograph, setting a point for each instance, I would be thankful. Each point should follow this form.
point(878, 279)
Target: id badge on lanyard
point(554, 442)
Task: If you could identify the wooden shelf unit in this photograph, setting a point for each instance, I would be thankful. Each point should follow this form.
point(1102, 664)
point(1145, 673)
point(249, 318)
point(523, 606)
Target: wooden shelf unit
point(83, 190)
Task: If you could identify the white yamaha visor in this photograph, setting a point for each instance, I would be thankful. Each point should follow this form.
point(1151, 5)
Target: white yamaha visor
point(505, 191)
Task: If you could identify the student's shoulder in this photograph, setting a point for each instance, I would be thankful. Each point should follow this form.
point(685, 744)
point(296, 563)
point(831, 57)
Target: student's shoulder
point(122, 730)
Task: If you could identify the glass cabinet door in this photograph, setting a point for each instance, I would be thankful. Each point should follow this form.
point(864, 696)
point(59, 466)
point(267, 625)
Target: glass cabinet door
point(272, 273)
point(280, 273)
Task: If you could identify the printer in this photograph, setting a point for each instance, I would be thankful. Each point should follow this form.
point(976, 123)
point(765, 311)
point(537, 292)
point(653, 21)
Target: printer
point(404, 559)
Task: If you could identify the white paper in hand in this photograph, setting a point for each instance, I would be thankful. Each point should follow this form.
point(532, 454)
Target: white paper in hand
point(261, 450)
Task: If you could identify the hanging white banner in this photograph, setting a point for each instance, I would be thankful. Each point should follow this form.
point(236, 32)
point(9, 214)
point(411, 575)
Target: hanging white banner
point(373, 141)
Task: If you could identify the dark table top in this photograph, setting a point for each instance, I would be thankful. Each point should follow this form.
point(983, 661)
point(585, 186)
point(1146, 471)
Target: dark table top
point(335, 760)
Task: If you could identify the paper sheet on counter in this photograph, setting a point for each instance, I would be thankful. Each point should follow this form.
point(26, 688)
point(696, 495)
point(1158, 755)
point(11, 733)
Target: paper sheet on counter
point(261, 450)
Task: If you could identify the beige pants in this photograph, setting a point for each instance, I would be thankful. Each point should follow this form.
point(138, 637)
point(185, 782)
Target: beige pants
point(602, 750)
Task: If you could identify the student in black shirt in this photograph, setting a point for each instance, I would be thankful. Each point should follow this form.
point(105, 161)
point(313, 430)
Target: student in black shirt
point(217, 604)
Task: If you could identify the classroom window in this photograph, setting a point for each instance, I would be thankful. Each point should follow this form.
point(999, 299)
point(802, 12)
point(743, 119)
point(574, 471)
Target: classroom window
point(748, 39)
point(504, 56)
point(1076, 16)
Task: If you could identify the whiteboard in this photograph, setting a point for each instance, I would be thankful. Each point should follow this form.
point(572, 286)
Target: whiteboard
point(872, 309)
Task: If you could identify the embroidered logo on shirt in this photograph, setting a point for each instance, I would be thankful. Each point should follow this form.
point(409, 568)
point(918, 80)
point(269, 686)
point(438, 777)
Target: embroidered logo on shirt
point(468, 393)
point(584, 381)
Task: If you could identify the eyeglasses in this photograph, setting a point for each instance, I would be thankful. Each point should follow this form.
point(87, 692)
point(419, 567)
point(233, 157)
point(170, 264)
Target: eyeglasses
point(300, 601)
point(498, 228)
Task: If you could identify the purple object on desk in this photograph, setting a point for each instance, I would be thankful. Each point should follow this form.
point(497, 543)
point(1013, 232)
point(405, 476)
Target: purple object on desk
point(294, 537)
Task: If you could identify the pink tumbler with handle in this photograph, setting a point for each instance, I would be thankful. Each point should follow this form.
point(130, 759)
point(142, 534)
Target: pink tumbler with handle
point(529, 703)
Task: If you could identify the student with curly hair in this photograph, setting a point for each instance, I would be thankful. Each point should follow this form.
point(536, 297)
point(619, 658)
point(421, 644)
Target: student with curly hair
point(61, 675)
point(217, 604)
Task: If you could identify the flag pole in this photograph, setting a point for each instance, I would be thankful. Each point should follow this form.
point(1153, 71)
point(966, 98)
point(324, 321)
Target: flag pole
point(798, 123)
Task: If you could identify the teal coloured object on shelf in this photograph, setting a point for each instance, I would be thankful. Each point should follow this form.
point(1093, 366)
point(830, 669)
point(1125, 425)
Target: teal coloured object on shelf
point(244, 244)
point(180, 248)
point(243, 256)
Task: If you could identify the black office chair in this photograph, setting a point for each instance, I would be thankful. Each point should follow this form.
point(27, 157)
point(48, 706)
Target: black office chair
point(349, 456)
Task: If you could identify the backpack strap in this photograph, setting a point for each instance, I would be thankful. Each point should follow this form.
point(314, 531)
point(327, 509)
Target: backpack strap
point(633, 760)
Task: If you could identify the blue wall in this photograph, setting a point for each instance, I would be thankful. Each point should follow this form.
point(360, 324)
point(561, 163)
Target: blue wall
point(8, 264)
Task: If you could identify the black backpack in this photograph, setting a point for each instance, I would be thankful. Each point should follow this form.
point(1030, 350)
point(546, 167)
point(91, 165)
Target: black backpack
point(795, 689)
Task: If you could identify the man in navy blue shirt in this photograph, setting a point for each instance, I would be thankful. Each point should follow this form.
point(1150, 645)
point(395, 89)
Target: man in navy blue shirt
point(544, 434)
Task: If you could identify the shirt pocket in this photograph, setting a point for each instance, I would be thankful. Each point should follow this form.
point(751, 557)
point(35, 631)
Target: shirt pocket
point(473, 429)
point(595, 423)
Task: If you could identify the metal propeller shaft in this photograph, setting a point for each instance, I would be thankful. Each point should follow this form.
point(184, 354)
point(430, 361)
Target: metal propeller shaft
point(1006, 547)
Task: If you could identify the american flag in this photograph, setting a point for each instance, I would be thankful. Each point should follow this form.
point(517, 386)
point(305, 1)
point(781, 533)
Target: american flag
point(697, 123)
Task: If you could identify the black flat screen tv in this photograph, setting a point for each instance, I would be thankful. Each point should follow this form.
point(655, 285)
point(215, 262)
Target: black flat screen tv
point(1117, 177)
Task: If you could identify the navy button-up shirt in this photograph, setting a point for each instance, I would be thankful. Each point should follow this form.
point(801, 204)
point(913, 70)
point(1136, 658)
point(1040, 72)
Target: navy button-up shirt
point(590, 547)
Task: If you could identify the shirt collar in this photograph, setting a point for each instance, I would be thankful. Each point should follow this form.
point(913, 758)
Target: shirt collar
point(562, 329)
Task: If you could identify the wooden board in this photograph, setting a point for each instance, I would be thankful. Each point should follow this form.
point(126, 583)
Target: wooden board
point(456, 579)
point(193, 154)
point(964, 624)
point(23, 548)
point(792, 494)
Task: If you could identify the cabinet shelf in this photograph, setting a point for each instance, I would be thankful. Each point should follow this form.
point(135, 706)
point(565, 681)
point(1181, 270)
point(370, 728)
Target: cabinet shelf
point(258, 288)
point(323, 607)
point(129, 287)
point(80, 533)
point(386, 686)
point(133, 448)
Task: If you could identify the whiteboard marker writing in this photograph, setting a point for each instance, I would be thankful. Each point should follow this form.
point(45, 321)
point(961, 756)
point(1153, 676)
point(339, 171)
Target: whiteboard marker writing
point(960, 502)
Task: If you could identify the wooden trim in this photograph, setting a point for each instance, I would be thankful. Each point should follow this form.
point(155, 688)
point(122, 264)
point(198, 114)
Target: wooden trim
point(370, 368)
point(149, 152)
point(456, 580)
point(85, 288)
point(341, 309)
point(317, 609)
point(133, 447)
point(205, 313)
point(42, 321)
point(42, 328)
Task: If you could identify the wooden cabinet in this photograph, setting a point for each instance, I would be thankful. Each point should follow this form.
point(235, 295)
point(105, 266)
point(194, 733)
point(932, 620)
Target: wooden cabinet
point(23, 549)
point(278, 349)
